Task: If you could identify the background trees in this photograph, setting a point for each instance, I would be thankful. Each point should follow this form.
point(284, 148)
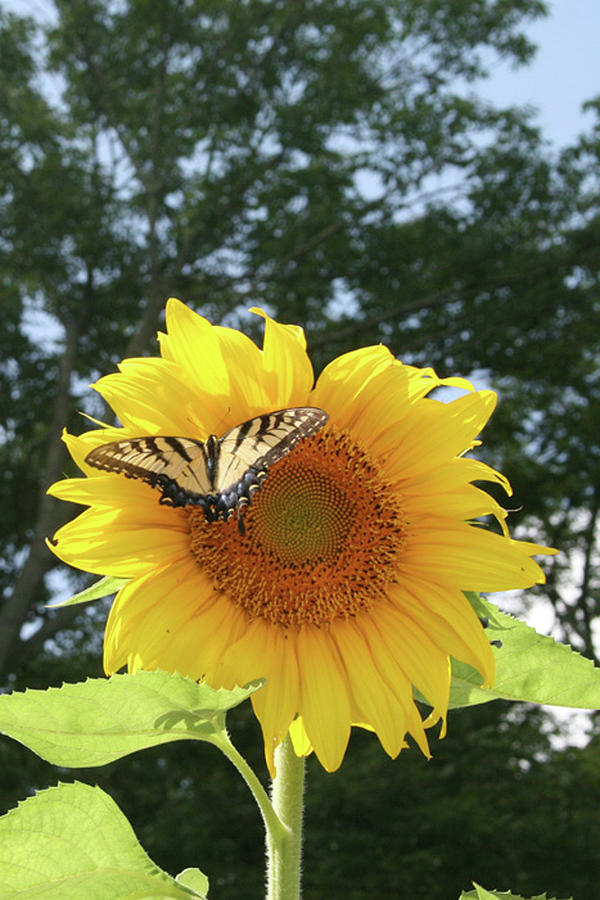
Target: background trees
point(334, 163)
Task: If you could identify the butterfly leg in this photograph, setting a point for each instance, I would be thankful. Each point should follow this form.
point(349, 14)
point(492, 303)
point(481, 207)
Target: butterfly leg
point(241, 526)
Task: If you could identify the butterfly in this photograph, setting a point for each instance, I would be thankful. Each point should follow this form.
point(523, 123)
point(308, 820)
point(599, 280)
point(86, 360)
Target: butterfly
point(220, 474)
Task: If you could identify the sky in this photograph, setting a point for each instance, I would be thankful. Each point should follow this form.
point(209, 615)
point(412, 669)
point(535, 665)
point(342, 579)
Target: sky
point(564, 73)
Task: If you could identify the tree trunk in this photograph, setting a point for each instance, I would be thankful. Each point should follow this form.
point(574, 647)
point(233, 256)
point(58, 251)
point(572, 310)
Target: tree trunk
point(50, 513)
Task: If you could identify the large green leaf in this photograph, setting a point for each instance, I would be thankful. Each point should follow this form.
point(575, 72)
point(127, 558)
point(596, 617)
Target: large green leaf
point(529, 666)
point(72, 841)
point(100, 720)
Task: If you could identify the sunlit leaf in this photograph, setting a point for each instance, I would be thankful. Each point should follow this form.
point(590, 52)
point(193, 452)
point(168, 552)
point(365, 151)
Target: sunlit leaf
point(102, 588)
point(100, 720)
point(72, 841)
point(529, 666)
point(195, 879)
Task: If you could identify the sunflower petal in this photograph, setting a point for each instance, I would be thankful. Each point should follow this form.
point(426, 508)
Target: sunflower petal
point(323, 686)
point(287, 371)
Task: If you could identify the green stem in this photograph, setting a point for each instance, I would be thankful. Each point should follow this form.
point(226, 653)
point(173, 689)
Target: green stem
point(276, 831)
point(285, 852)
point(282, 816)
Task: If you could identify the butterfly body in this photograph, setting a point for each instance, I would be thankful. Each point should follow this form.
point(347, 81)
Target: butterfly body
point(220, 475)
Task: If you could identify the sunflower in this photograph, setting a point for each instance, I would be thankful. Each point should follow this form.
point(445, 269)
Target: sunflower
point(345, 588)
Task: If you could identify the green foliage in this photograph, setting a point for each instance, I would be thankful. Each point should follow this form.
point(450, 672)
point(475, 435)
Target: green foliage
point(100, 720)
point(72, 841)
point(529, 666)
point(534, 805)
point(495, 804)
point(194, 879)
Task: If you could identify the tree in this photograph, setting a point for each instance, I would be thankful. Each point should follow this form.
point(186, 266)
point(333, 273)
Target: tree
point(332, 162)
point(227, 153)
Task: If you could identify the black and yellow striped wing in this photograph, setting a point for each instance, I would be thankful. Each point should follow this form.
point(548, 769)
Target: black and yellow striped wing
point(154, 459)
point(263, 441)
point(219, 475)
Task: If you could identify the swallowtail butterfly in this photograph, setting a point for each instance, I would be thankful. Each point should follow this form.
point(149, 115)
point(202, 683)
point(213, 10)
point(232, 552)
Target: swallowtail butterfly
point(219, 474)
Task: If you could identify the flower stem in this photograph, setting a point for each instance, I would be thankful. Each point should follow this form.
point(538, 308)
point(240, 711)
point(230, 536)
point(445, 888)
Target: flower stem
point(282, 815)
point(285, 850)
point(276, 831)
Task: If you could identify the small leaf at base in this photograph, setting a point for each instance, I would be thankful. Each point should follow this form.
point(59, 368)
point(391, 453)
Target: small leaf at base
point(195, 879)
point(73, 841)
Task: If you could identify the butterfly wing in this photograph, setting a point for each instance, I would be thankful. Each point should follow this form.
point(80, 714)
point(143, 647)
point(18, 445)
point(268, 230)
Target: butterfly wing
point(258, 443)
point(174, 465)
point(218, 475)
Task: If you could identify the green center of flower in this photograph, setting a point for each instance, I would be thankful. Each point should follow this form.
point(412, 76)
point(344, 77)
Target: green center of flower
point(321, 542)
point(304, 522)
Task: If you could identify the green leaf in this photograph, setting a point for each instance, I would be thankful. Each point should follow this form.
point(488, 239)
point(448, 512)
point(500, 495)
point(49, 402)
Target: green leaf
point(529, 666)
point(100, 720)
point(483, 608)
point(481, 894)
point(195, 879)
point(73, 841)
point(102, 588)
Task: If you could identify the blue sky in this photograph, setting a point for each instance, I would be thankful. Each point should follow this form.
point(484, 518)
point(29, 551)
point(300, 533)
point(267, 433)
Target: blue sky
point(564, 73)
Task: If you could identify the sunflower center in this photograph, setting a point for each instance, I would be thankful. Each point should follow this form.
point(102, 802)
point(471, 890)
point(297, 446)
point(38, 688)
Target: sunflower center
point(302, 519)
point(321, 541)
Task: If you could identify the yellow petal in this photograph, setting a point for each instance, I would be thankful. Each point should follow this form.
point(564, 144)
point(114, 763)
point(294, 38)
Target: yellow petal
point(463, 503)
point(142, 597)
point(448, 618)
point(373, 701)
point(190, 640)
point(302, 745)
point(421, 660)
point(269, 653)
point(119, 542)
point(433, 433)
point(287, 371)
point(111, 490)
point(471, 558)
point(345, 380)
point(151, 396)
point(246, 375)
point(422, 381)
point(221, 367)
point(324, 699)
point(207, 370)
